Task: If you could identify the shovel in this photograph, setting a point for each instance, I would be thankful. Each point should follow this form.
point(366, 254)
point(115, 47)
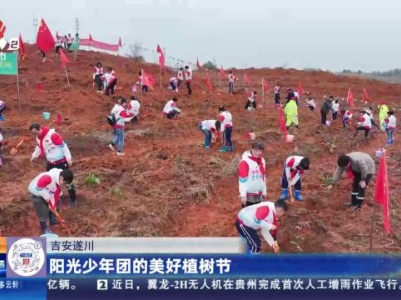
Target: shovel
point(14, 150)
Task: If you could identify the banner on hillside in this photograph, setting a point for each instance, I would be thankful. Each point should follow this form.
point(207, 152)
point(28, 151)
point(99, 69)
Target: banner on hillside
point(90, 42)
point(9, 57)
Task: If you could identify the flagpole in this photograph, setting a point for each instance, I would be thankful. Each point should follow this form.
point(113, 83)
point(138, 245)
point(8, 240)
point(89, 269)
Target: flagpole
point(263, 91)
point(18, 89)
point(66, 75)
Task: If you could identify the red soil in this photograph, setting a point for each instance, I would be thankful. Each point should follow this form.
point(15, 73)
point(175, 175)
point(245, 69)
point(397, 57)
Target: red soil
point(167, 185)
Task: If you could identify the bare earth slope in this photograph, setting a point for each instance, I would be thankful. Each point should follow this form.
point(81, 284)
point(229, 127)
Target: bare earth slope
point(167, 184)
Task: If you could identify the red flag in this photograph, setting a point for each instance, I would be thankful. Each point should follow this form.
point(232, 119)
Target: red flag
point(162, 59)
point(350, 99)
point(208, 83)
point(90, 37)
point(198, 64)
point(381, 193)
point(120, 44)
point(366, 95)
point(265, 85)
point(21, 47)
point(59, 119)
point(247, 80)
point(283, 128)
point(63, 58)
point(147, 80)
point(44, 38)
point(300, 89)
point(2, 29)
point(222, 73)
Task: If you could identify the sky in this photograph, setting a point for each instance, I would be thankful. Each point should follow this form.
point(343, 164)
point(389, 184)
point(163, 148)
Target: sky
point(329, 35)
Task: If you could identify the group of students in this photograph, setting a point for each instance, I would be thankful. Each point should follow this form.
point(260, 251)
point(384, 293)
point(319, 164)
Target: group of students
point(259, 214)
point(105, 82)
point(177, 82)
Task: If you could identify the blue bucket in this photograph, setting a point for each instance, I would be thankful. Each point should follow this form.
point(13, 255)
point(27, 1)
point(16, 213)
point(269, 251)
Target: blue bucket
point(46, 115)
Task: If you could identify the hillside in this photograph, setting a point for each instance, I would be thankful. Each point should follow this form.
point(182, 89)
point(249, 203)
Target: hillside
point(167, 184)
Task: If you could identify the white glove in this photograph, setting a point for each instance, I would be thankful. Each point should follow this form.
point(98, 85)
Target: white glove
point(362, 184)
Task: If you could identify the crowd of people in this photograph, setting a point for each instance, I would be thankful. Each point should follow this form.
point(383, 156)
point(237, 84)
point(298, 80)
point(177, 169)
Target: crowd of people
point(256, 213)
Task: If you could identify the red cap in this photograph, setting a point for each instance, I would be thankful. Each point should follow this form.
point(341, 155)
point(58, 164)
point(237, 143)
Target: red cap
point(262, 212)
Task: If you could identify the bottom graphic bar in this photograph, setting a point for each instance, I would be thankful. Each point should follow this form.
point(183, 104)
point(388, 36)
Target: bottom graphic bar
point(152, 289)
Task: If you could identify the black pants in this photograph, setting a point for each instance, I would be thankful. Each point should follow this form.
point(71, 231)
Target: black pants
point(110, 88)
point(71, 186)
point(172, 114)
point(358, 193)
point(58, 49)
point(145, 89)
point(252, 200)
point(284, 183)
point(312, 108)
point(277, 98)
point(43, 54)
point(172, 85)
point(99, 82)
point(334, 115)
point(362, 128)
point(179, 83)
point(345, 122)
point(250, 235)
point(2, 108)
point(227, 133)
point(134, 120)
point(324, 117)
point(189, 88)
point(250, 104)
point(231, 87)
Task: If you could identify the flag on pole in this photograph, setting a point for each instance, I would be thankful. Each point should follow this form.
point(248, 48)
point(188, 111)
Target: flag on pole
point(247, 80)
point(365, 96)
point(147, 80)
point(222, 73)
point(350, 99)
point(120, 44)
point(162, 59)
point(197, 63)
point(21, 47)
point(265, 85)
point(44, 39)
point(283, 128)
point(63, 58)
point(2, 29)
point(382, 193)
point(300, 89)
point(208, 83)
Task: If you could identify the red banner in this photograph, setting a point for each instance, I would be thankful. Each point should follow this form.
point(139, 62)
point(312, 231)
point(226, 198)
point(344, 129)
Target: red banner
point(98, 45)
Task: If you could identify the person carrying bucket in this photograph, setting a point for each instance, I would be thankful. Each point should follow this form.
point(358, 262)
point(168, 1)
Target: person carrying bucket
point(291, 113)
point(51, 145)
point(46, 190)
point(294, 167)
point(325, 109)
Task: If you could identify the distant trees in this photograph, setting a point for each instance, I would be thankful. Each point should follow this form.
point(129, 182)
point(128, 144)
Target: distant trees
point(136, 52)
point(210, 65)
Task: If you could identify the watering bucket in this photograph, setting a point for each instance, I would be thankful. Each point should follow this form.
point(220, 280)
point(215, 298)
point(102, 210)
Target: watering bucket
point(252, 135)
point(46, 115)
point(289, 138)
point(49, 235)
point(328, 123)
point(379, 153)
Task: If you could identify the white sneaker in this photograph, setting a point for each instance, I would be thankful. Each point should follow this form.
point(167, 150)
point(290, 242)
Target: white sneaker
point(111, 147)
point(120, 153)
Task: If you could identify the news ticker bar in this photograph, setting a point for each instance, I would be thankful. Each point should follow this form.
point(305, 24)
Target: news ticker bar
point(240, 288)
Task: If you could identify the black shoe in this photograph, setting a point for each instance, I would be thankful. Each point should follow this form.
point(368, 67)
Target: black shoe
point(357, 207)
